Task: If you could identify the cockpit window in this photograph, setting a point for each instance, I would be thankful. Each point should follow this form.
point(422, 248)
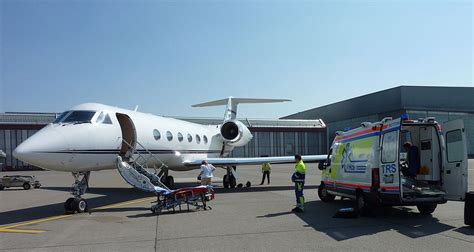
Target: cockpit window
point(61, 117)
point(79, 116)
point(104, 118)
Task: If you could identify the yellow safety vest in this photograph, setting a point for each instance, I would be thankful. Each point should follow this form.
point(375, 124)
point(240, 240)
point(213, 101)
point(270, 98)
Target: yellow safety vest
point(300, 167)
point(266, 167)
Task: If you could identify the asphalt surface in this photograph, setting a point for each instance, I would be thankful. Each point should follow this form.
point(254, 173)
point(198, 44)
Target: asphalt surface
point(247, 219)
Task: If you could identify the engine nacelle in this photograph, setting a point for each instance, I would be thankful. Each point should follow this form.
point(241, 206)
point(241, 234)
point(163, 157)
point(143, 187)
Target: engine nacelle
point(235, 133)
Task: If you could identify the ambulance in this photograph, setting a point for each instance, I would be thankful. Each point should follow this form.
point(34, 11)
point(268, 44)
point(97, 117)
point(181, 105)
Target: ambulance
point(373, 166)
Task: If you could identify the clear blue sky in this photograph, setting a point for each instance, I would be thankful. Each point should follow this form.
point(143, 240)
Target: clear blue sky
point(166, 55)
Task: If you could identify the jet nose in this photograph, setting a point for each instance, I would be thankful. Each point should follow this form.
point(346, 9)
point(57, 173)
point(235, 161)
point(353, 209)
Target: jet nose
point(39, 149)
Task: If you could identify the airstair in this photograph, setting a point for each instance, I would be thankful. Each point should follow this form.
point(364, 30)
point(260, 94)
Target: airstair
point(134, 168)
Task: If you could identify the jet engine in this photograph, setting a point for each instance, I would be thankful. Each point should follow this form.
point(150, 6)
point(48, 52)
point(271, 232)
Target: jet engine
point(235, 133)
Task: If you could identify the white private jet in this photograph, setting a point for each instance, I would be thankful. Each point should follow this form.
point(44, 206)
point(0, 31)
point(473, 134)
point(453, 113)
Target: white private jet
point(93, 137)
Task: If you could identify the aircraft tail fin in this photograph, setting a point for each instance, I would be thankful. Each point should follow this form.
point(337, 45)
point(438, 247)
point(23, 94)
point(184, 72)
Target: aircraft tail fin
point(231, 102)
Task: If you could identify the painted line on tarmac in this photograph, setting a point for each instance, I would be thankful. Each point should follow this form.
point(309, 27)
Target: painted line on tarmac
point(24, 231)
point(21, 224)
point(11, 228)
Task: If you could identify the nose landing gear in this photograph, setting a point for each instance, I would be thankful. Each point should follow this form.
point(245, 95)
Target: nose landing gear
point(76, 203)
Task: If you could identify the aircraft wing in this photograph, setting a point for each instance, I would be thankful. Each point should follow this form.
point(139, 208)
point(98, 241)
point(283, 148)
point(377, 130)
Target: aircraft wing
point(256, 160)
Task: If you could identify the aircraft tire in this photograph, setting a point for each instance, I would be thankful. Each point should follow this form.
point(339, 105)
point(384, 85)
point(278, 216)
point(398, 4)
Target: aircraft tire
point(80, 205)
point(426, 208)
point(232, 181)
point(169, 182)
point(225, 181)
point(68, 206)
point(324, 195)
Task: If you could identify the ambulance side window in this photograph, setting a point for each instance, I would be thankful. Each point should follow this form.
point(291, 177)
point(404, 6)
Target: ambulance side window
point(389, 147)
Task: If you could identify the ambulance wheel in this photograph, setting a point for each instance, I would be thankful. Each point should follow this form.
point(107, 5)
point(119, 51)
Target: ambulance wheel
point(225, 181)
point(324, 194)
point(426, 208)
point(361, 203)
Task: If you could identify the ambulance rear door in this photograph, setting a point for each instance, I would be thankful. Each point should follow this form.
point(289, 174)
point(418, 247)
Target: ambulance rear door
point(389, 158)
point(454, 174)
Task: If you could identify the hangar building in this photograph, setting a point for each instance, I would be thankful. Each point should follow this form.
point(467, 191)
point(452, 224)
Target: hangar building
point(443, 103)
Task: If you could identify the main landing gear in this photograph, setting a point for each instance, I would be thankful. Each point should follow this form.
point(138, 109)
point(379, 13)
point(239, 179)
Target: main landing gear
point(78, 204)
point(229, 179)
point(166, 179)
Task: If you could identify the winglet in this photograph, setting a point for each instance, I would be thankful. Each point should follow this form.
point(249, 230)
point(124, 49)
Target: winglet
point(231, 102)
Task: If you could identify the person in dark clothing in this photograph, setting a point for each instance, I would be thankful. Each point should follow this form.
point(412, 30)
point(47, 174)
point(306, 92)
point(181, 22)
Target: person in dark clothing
point(413, 158)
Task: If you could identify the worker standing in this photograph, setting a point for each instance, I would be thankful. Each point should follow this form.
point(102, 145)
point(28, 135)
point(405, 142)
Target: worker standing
point(206, 173)
point(298, 178)
point(266, 167)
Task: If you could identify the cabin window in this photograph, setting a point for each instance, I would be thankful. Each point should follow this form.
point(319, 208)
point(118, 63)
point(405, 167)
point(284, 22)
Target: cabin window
point(169, 135)
point(190, 138)
point(454, 146)
point(198, 139)
point(389, 147)
point(205, 139)
point(180, 137)
point(156, 134)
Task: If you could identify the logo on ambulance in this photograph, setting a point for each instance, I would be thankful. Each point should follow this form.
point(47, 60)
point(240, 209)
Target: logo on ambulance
point(349, 165)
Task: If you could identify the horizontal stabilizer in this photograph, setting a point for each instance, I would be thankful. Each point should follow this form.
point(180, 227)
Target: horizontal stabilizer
point(237, 101)
point(231, 102)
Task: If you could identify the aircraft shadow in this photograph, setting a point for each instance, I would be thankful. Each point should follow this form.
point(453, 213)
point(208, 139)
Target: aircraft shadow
point(319, 216)
point(109, 196)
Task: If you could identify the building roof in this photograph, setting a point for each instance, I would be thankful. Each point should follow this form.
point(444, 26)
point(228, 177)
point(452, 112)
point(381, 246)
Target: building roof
point(14, 118)
point(451, 99)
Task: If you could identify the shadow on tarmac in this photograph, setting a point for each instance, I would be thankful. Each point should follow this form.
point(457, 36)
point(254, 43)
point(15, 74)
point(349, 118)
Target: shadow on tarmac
point(319, 216)
point(110, 196)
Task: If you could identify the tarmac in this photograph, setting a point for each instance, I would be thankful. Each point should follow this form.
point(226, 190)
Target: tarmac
point(244, 219)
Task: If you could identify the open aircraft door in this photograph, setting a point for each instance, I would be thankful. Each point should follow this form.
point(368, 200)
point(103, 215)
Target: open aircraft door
point(129, 135)
point(454, 175)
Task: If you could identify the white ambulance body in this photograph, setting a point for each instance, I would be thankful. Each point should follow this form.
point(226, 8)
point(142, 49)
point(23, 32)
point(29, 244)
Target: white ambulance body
point(369, 164)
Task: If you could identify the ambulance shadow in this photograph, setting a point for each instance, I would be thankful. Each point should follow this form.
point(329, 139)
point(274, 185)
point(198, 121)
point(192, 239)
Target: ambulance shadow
point(319, 216)
point(467, 230)
point(107, 196)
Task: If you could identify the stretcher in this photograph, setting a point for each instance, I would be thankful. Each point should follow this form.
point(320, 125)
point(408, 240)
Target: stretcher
point(171, 199)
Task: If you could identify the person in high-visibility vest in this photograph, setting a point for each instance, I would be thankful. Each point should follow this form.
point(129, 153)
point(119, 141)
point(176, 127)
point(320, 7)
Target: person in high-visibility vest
point(298, 178)
point(266, 167)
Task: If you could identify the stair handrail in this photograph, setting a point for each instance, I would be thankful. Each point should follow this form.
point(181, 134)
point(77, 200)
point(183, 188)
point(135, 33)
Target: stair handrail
point(145, 166)
point(149, 152)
